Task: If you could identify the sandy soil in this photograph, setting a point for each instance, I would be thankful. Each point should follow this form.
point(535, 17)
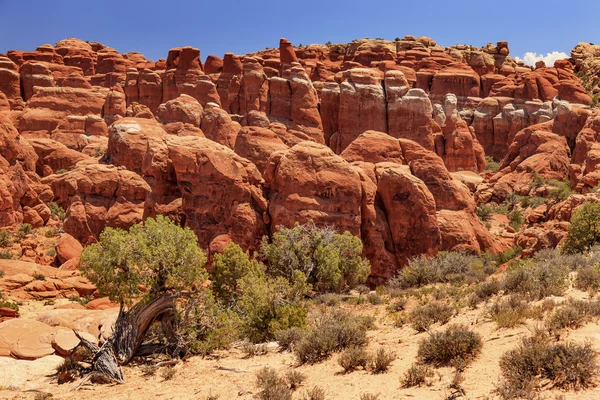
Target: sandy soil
point(197, 377)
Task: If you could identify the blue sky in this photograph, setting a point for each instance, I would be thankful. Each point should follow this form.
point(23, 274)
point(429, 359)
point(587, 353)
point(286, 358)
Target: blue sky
point(152, 27)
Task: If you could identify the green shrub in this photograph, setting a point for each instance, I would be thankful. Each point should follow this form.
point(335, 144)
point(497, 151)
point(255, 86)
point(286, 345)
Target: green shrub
point(536, 279)
point(333, 331)
point(7, 303)
point(5, 256)
point(455, 345)
point(228, 268)
point(5, 237)
point(531, 201)
point(422, 317)
point(268, 304)
point(60, 171)
point(536, 182)
point(354, 357)
point(24, 230)
point(2, 273)
point(560, 190)
point(51, 253)
point(56, 210)
point(382, 360)
point(39, 277)
point(416, 375)
point(491, 165)
point(158, 255)
point(567, 365)
point(584, 230)
point(506, 255)
point(484, 212)
point(206, 325)
point(330, 261)
point(516, 219)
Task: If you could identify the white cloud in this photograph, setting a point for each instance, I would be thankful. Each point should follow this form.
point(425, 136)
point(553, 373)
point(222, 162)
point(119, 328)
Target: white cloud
point(531, 58)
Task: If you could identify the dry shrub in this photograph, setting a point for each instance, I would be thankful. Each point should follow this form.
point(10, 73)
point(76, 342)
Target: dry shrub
point(333, 331)
point(588, 278)
point(369, 396)
point(417, 375)
point(272, 386)
point(487, 289)
point(68, 370)
point(294, 379)
point(568, 316)
point(354, 357)
point(287, 338)
point(148, 370)
point(329, 299)
point(456, 345)
point(536, 278)
point(168, 373)
point(567, 365)
point(252, 350)
point(509, 312)
point(422, 317)
point(316, 393)
point(382, 360)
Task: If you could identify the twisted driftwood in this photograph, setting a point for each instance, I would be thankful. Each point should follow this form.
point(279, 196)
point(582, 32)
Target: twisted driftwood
point(129, 333)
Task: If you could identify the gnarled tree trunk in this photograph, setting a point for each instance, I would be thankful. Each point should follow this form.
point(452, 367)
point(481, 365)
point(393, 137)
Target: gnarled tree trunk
point(129, 333)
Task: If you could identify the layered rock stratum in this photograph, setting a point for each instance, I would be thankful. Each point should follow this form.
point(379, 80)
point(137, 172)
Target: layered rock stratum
point(386, 139)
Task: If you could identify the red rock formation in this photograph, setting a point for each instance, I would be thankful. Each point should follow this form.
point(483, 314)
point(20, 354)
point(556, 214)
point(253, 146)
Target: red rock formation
point(362, 107)
point(10, 82)
point(96, 196)
point(309, 182)
point(184, 109)
point(221, 191)
point(128, 140)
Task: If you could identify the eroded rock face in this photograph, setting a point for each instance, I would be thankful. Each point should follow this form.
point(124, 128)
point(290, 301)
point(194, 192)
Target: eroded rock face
point(222, 193)
point(309, 182)
point(362, 107)
point(184, 109)
point(128, 141)
point(411, 211)
point(95, 196)
point(384, 139)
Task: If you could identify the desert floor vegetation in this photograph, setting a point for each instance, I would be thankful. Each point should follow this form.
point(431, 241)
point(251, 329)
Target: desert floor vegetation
point(454, 324)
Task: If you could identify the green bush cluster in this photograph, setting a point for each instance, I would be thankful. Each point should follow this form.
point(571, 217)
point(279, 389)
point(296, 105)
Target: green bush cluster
point(56, 210)
point(331, 262)
point(5, 237)
point(584, 230)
